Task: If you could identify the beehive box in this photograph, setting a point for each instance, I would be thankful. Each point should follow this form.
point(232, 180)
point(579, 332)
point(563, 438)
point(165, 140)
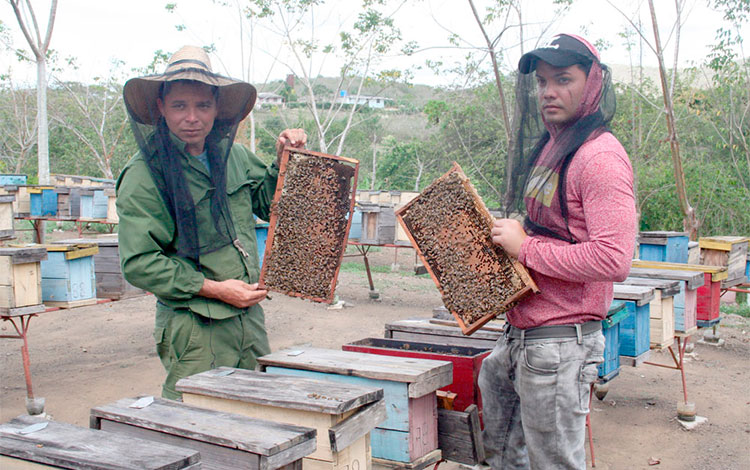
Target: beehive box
point(101, 204)
point(635, 331)
point(686, 301)
point(111, 195)
point(226, 441)
point(68, 275)
point(342, 414)
point(310, 220)
point(662, 309)
point(110, 283)
point(409, 385)
point(21, 280)
point(87, 204)
point(467, 362)
point(449, 226)
point(68, 202)
point(12, 179)
point(6, 216)
point(60, 445)
point(425, 330)
point(43, 201)
point(671, 247)
point(610, 367)
point(378, 223)
point(731, 252)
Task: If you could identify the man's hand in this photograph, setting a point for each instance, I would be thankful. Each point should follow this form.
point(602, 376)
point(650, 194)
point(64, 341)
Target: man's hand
point(509, 234)
point(233, 291)
point(296, 138)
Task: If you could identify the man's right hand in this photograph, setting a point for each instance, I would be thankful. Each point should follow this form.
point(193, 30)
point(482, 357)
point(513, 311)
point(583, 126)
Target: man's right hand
point(233, 291)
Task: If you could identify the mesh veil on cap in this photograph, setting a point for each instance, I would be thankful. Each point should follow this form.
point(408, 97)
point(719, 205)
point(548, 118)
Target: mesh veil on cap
point(236, 98)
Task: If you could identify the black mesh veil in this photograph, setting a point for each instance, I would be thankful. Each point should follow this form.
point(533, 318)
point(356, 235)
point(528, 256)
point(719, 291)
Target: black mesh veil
point(164, 159)
point(531, 135)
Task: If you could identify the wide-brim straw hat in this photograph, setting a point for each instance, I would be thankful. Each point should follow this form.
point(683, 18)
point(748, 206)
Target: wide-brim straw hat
point(236, 98)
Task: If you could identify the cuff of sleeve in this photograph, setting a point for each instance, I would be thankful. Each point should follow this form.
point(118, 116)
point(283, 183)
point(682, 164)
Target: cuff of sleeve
point(525, 247)
point(195, 284)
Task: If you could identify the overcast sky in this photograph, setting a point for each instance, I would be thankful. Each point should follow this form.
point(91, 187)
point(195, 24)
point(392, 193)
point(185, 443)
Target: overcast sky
point(97, 32)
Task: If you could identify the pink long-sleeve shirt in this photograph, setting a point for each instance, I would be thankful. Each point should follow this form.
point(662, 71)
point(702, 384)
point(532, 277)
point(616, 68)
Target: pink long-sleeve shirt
point(575, 280)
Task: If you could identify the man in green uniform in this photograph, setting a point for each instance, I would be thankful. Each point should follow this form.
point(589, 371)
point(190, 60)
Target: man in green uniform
point(186, 203)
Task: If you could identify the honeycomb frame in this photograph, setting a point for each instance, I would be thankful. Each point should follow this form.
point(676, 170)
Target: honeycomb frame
point(311, 215)
point(449, 226)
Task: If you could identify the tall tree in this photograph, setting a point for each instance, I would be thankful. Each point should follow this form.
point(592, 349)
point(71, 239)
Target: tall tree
point(39, 45)
point(18, 125)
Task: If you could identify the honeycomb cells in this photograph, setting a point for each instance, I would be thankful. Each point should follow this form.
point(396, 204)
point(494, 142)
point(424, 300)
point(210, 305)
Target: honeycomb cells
point(310, 232)
point(452, 229)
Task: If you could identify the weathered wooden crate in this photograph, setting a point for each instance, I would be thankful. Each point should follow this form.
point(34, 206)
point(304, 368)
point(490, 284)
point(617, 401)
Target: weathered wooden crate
point(43, 201)
point(61, 445)
point(686, 302)
point(110, 283)
point(68, 276)
point(378, 223)
point(460, 435)
point(662, 309)
point(731, 252)
point(68, 202)
point(450, 227)
point(226, 441)
point(410, 431)
point(467, 362)
point(6, 216)
point(310, 220)
point(635, 333)
point(21, 280)
point(671, 247)
point(426, 330)
point(610, 368)
point(111, 195)
point(342, 414)
point(694, 252)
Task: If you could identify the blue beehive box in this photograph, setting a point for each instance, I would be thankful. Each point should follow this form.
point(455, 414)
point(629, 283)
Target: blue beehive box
point(355, 231)
point(670, 247)
point(261, 235)
point(635, 331)
point(100, 203)
point(12, 179)
point(68, 274)
point(43, 201)
point(610, 368)
point(87, 204)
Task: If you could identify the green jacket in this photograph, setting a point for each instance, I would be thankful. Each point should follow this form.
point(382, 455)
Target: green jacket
point(148, 239)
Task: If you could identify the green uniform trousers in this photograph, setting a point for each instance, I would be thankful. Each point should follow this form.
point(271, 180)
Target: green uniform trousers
point(188, 343)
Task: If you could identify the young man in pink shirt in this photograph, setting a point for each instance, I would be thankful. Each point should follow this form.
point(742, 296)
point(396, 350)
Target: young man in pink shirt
point(576, 185)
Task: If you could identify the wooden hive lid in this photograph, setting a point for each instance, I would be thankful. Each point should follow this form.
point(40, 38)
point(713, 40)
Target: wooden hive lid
point(718, 273)
point(641, 295)
point(21, 255)
point(724, 243)
point(68, 446)
point(694, 279)
point(668, 287)
point(422, 375)
point(281, 391)
point(214, 427)
point(425, 325)
point(658, 237)
point(103, 241)
point(7, 198)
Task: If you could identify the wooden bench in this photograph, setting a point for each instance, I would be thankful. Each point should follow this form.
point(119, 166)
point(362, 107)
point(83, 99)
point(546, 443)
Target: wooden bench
point(409, 434)
point(33, 443)
point(342, 414)
point(225, 441)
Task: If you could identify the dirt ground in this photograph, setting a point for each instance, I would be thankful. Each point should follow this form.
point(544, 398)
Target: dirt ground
point(94, 355)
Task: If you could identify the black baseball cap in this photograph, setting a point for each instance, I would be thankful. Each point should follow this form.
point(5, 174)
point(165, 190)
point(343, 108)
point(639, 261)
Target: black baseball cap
point(562, 51)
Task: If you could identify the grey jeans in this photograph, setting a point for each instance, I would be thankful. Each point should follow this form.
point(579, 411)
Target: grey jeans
point(535, 396)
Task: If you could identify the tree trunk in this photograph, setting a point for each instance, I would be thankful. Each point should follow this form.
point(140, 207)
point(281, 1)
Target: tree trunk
point(41, 109)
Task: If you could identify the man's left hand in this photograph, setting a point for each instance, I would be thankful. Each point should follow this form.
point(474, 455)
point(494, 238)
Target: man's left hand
point(509, 234)
point(296, 138)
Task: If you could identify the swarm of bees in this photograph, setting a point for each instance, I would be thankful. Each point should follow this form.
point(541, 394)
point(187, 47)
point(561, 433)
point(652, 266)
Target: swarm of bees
point(451, 229)
point(309, 225)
